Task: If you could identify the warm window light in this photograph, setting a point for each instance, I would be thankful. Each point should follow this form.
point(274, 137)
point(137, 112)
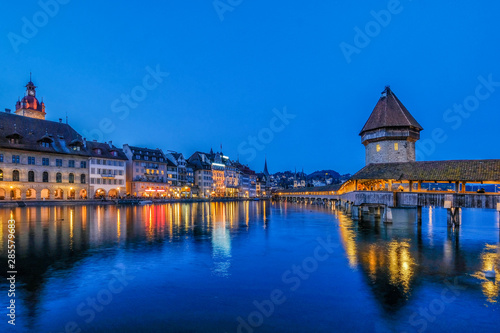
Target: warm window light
point(396, 146)
point(378, 148)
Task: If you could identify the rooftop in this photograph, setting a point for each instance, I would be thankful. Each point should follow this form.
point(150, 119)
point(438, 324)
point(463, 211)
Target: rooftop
point(459, 170)
point(390, 112)
point(31, 132)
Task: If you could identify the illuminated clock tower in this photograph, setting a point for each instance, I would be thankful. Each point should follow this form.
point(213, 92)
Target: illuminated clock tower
point(29, 106)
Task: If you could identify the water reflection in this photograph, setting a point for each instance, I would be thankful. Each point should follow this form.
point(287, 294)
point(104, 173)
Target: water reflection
point(396, 259)
point(239, 249)
point(52, 241)
point(490, 259)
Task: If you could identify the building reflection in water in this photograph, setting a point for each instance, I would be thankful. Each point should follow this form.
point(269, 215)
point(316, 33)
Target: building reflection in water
point(348, 237)
point(395, 258)
point(53, 240)
point(221, 239)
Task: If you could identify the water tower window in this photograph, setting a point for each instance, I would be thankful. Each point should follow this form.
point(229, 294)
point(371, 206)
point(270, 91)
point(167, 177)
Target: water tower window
point(396, 146)
point(378, 148)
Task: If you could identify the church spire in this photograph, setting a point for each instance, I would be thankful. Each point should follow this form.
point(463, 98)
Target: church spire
point(266, 172)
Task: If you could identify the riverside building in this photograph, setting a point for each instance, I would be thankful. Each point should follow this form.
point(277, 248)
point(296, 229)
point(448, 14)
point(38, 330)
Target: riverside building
point(40, 159)
point(147, 172)
point(107, 170)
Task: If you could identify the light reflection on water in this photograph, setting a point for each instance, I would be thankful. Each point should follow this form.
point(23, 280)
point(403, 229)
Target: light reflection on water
point(204, 264)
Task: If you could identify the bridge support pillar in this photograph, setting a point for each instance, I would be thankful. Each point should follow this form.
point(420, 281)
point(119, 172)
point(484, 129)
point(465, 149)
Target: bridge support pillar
point(356, 212)
point(365, 212)
point(387, 215)
point(419, 215)
point(454, 217)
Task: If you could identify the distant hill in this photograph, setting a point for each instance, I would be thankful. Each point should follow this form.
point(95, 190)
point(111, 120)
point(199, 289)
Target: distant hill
point(319, 175)
point(285, 179)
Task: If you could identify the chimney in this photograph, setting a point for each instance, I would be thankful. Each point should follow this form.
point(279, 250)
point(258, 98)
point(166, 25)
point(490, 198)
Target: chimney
point(60, 120)
point(85, 142)
point(7, 110)
point(110, 144)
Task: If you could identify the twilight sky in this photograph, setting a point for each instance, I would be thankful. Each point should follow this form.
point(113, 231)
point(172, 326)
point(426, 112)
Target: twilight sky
point(295, 81)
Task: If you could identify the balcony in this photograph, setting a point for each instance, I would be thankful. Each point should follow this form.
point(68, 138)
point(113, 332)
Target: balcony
point(107, 175)
point(149, 179)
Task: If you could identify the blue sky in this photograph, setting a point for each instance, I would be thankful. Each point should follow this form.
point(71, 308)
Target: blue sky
point(225, 77)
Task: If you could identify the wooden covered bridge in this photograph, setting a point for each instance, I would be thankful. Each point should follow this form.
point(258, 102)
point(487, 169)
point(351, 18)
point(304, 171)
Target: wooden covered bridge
point(380, 188)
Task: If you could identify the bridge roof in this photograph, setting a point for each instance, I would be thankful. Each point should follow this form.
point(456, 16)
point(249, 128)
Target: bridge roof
point(459, 170)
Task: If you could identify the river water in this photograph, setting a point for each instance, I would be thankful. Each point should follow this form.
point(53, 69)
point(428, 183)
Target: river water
point(248, 267)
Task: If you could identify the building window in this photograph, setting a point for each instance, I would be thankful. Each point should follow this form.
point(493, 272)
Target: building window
point(1, 175)
point(396, 146)
point(71, 178)
point(82, 179)
point(59, 162)
point(71, 164)
point(44, 144)
point(15, 175)
point(31, 176)
point(15, 159)
point(58, 177)
point(45, 177)
point(83, 164)
point(45, 161)
point(92, 180)
point(378, 148)
point(31, 160)
point(1, 157)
